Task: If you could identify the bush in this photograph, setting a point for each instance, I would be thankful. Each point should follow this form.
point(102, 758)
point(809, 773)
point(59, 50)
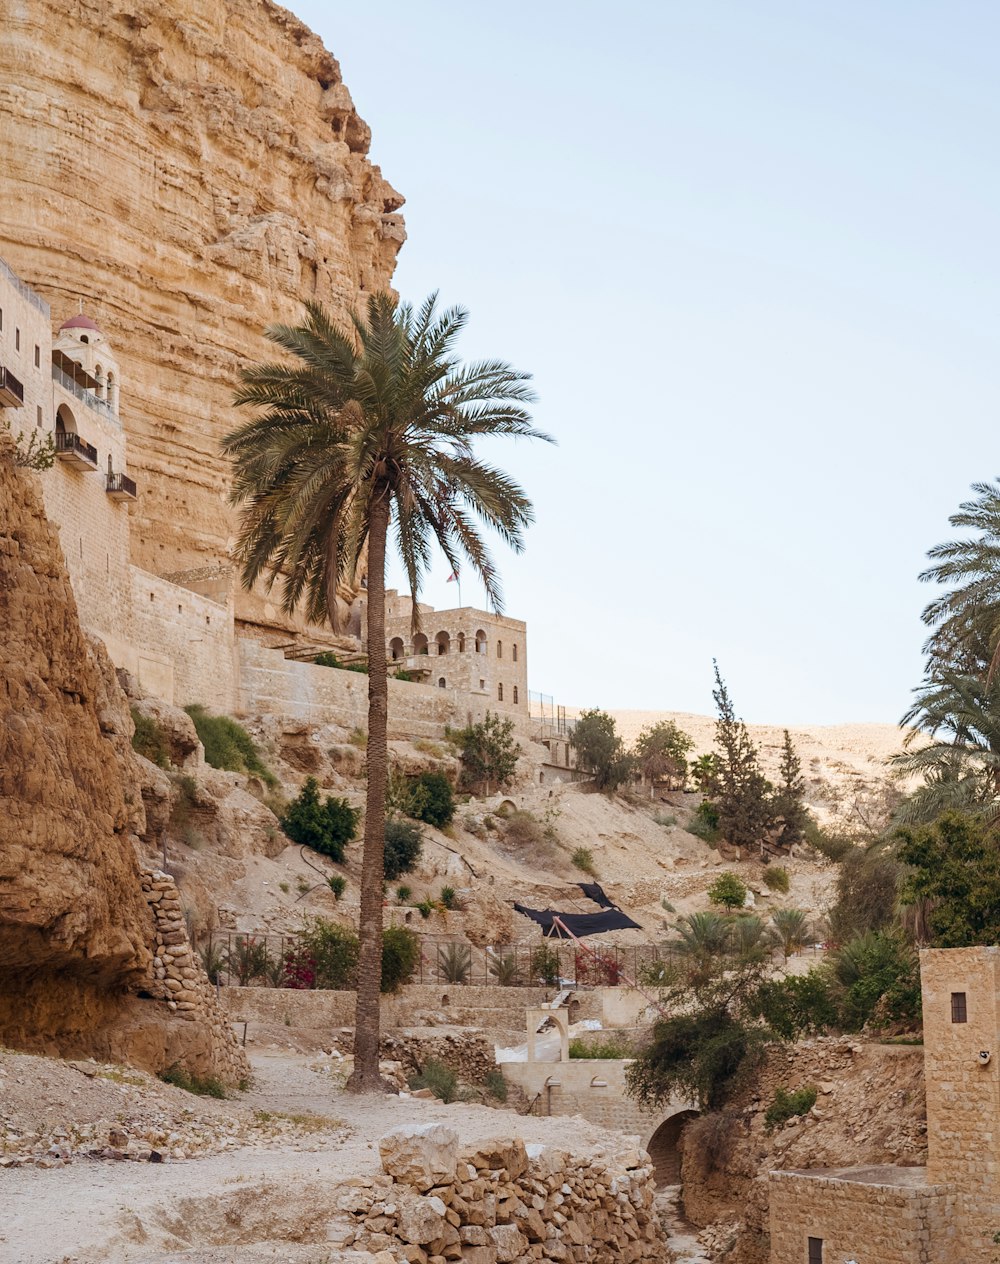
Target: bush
point(326, 951)
point(776, 879)
point(425, 908)
point(455, 962)
point(705, 822)
point(600, 751)
point(247, 959)
point(488, 752)
point(711, 1138)
point(403, 845)
point(400, 955)
point(545, 965)
point(665, 819)
point(834, 846)
point(441, 1080)
point(504, 970)
point(597, 969)
point(202, 1085)
point(213, 961)
point(867, 894)
point(149, 740)
point(786, 1104)
point(448, 898)
point(728, 890)
point(228, 745)
point(799, 1005)
point(338, 885)
point(328, 659)
point(496, 1085)
point(880, 978)
point(583, 858)
point(611, 1046)
point(432, 799)
point(403, 893)
point(326, 827)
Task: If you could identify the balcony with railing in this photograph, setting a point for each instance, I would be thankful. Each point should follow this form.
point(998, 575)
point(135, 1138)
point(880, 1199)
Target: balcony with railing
point(121, 487)
point(75, 452)
point(81, 391)
point(11, 390)
point(26, 292)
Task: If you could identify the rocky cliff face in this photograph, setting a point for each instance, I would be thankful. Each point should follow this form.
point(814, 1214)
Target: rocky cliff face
point(190, 172)
point(76, 929)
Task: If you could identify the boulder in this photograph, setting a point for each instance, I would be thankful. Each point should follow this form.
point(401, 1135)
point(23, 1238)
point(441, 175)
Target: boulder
point(421, 1155)
point(421, 1220)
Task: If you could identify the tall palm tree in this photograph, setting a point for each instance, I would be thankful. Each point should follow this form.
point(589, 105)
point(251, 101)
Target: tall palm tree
point(366, 430)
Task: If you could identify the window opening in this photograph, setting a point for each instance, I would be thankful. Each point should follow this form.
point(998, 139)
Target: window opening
point(959, 1010)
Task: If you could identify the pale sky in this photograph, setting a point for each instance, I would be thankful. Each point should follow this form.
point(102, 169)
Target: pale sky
point(750, 254)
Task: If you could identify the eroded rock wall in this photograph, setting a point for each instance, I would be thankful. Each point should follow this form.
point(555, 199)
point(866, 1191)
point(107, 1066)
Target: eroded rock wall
point(189, 172)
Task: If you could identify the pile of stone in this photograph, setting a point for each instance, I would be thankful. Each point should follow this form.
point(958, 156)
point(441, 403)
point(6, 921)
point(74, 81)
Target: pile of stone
point(468, 1053)
point(500, 1202)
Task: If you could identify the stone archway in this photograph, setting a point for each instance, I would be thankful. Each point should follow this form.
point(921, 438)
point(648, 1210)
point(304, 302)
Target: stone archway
point(666, 1148)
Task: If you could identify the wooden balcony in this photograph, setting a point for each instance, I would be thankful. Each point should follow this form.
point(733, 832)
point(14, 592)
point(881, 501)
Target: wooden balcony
point(76, 452)
point(11, 390)
point(120, 487)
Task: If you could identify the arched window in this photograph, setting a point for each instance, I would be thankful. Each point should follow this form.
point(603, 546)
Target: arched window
point(443, 642)
point(111, 468)
point(499, 649)
point(480, 642)
point(112, 391)
point(65, 421)
point(397, 648)
point(420, 644)
point(499, 693)
point(85, 338)
point(461, 642)
point(441, 682)
point(515, 695)
point(514, 651)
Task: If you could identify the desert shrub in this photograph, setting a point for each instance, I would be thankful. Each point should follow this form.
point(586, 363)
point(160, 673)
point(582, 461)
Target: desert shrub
point(597, 969)
point(545, 965)
point(425, 908)
point(666, 819)
point(705, 822)
point(583, 859)
point(432, 799)
point(403, 893)
point(799, 1004)
point(785, 1104)
point(441, 1080)
point(496, 1085)
point(403, 844)
point(610, 1046)
point(776, 879)
point(504, 970)
point(400, 955)
point(728, 890)
point(202, 1085)
point(186, 803)
point(523, 829)
point(326, 827)
point(358, 738)
point(329, 659)
point(454, 962)
point(228, 745)
point(246, 959)
point(149, 739)
point(213, 961)
point(338, 885)
point(711, 1138)
point(329, 950)
point(832, 844)
point(448, 898)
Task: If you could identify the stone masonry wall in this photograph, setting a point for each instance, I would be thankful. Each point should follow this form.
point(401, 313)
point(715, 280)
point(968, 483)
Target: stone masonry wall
point(179, 980)
point(864, 1220)
point(501, 1203)
point(593, 1088)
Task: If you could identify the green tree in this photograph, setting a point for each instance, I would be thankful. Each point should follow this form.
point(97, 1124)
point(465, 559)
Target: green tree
point(788, 804)
point(432, 799)
point(661, 754)
point(403, 845)
point(728, 890)
point(705, 774)
point(488, 752)
point(744, 794)
point(792, 929)
point(600, 750)
point(327, 826)
point(955, 870)
point(364, 429)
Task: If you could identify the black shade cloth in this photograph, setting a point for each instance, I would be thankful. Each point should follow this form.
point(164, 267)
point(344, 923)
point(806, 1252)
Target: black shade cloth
point(578, 924)
point(594, 891)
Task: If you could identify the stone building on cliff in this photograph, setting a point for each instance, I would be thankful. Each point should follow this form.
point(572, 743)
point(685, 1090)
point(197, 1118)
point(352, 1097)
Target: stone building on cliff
point(949, 1211)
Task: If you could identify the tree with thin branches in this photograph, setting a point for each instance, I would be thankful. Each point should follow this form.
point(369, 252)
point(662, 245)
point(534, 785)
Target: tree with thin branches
point(366, 433)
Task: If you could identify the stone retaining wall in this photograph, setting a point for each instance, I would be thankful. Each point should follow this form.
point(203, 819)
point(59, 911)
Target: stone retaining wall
point(501, 1202)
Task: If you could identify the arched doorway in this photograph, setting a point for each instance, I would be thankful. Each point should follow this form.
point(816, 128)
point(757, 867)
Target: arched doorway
point(666, 1148)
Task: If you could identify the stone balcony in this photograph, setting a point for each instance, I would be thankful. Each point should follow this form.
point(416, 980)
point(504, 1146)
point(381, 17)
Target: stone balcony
point(121, 487)
point(11, 390)
point(75, 452)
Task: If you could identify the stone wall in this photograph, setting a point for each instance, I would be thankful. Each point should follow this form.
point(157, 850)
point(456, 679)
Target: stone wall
point(25, 326)
point(593, 1088)
point(500, 1202)
point(887, 1215)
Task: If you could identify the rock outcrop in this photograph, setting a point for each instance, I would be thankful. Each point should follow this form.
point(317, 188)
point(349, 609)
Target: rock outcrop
point(189, 173)
point(76, 931)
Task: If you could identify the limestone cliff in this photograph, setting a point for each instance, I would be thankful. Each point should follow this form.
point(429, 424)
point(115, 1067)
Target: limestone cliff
point(189, 172)
point(76, 929)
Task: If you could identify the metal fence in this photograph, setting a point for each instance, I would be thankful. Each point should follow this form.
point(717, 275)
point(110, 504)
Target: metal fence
point(233, 959)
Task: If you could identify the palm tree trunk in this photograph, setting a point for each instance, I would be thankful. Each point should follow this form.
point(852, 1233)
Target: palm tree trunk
point(366, 1078)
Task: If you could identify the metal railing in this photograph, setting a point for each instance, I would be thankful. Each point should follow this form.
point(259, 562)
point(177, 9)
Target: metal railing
point(121, 483)
point(69, 441)
point(99, 405)
point(24, 289)
point(12, 385)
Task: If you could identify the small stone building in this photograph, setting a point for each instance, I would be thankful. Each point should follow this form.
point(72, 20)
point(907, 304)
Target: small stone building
point(948, 1212)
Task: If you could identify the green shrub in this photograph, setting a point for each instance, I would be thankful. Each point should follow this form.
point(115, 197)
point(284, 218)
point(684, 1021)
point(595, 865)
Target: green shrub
point(228, 745)
point(202, 1085)
point(665, 819)
point(583, 859)
point(432, 799)
point(400, 956)
point(441, 1080)
point(728, 890)
point(326, 827)
point(455, 962)
point(799, 1004)
point(611, 1046)
point(496, 1085)
point(338, 885)
point(425, 908)
point(785, 1105)
point(213, 961)
point(832, 845)
point(504, 970)
point(792, 929)
point(403, 893)
point(448, 898)
point(149, 739)
point(705, 822)
point(880, 977)
point(403, 845)
point(246, 959)
point(488, 752)
point(331, 952)
point(328, 659)
point(545, 965)
point(776, 879)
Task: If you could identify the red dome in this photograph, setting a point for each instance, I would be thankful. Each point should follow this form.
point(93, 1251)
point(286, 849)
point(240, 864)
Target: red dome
point(79, 322)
